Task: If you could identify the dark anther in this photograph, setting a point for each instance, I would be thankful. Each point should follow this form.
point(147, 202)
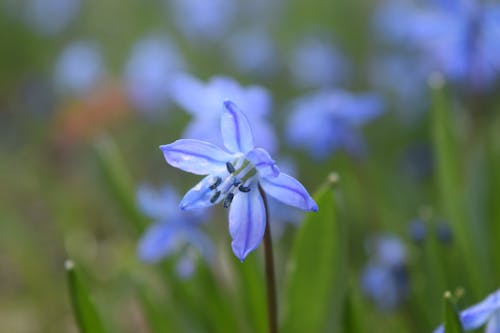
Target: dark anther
point(236, 182)
point(218, 180)
point(228, 200)
point(215, 197)
point(230, 167)
point(244, 188)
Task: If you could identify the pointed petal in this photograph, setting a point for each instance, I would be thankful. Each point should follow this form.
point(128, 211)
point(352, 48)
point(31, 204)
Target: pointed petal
point(158, 242)
point(195, 156)
point(263, 162)
point(235, 129)
point(493, 324)
point(247, 222)
point(199, 196)
point(479, 314)
point(289, 191)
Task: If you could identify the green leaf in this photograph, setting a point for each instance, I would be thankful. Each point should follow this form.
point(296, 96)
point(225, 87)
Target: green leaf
point(450, 186)
point(86, 314)
point(316, 271)
point(118, 180)
point(452, 322)
point(352, 314)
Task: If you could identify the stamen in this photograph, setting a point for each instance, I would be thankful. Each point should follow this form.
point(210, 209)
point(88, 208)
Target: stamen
point(230, 167)
point(244, 189)
point(215, 197)
point(236, 182)
point(228, 199)
point(218, 180)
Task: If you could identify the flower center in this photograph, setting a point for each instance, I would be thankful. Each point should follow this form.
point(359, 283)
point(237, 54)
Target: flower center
point(240, 175)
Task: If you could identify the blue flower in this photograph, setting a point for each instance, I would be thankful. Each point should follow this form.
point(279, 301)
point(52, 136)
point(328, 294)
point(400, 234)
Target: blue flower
point(385, 277)
point(201, 20)
point(460, 39)
point(233, 176)
point(316, 63)
point(486, 312)
point(50, 17)
point(79, 68)
point(328, 120)
point(149, 70)
point(203, 102)
point(174, 233)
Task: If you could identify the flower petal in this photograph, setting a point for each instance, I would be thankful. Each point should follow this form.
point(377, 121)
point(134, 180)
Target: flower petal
point(247, 222)
point(289, 191)
point(493, 324)
point(199, 196)
point(158, 242)
point(195, 156)
point(479, 314)
point(236, 132)
point(263, 162)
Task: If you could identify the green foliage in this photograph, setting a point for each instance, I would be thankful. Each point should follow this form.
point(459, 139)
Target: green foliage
point(86, 314)
point(452, 322)
point(316, 272)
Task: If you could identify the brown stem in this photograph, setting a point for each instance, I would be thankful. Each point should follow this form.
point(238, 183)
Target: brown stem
point(270, 278)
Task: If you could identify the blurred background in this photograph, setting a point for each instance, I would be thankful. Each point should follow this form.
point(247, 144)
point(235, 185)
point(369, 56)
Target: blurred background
point(398, 98)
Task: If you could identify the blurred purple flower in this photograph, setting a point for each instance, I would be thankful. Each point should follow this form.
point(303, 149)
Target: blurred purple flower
point(149, 70)
point(385, 276)
point(485, 312)
point(234, 176)
point(328, 120)
point(175, 233)
point(203, 102)
point(201, 20)
point(50, 17)
point(316, 63)
point(79, 68)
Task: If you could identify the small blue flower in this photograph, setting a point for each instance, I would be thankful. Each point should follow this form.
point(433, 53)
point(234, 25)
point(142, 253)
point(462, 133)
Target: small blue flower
point(385, 277)
point(316, 63)
point(326, 121)
point(50, 17)
point(203, 102)
point(486, 312)
point(174, 233)
point(233, 176)
point(149, 70)
point(78, 68)
point(201, 20)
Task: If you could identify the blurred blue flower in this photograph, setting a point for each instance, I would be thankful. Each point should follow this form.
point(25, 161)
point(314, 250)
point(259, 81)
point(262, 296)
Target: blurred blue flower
point(175, 233)
point(253, 52)
point(79, 68)
point(385, 277)
point(328, 120)
point(233, 177)
point(316, 63)
point(460, 39)
point(409, 96)
point(201, 20)
point(203, 102)
point(149, 70)
point(486, 312)
point(50, 17)
point(418, 231)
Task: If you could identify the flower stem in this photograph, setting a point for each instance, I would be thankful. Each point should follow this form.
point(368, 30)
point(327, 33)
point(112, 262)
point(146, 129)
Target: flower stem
point(270, 277)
